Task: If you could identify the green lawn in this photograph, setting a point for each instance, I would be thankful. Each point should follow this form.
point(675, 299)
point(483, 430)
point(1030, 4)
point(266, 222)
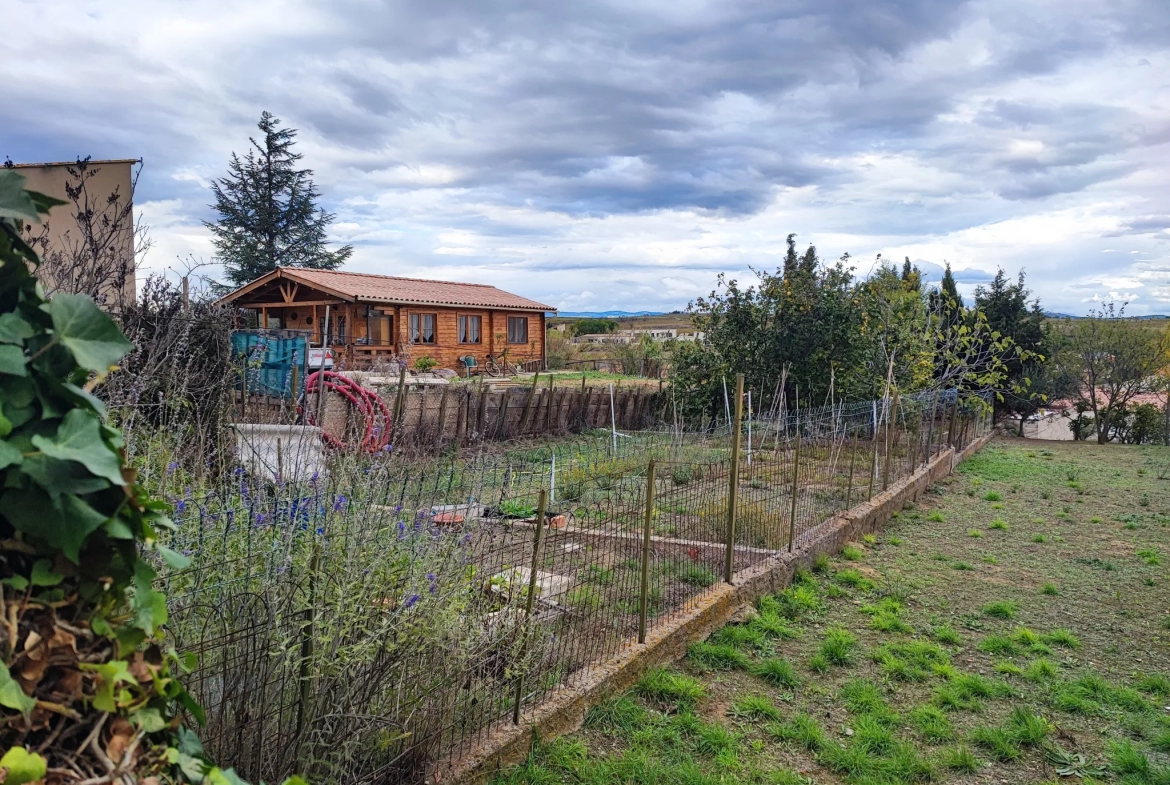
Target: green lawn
point(1012, 627)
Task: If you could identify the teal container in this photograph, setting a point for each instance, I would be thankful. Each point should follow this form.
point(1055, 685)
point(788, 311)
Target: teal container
point(268, 357)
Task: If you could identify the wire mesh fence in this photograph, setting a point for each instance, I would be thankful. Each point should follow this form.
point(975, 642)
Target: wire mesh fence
point(358, 622)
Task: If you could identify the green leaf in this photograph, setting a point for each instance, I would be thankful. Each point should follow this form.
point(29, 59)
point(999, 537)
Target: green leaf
point(295, 779)
point(43, 575)
point(189, 743)
point(58, 477)
point(12, 360)
point(9, 455)
point(218, 776)
point(79, 438)
point(64, 525)
point(112, 674)
point(11, 695)
point(148, 720)
point(150, 605)
point(23, 766)
point(192, 767)
point(15, 202)
point(18, 582)
point(92, 337)
point(13, 329)
point(173, 559)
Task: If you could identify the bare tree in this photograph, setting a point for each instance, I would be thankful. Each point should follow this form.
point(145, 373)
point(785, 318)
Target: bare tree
point(98, 251)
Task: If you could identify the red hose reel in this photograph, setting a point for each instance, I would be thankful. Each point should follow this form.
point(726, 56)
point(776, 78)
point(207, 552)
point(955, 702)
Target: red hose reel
point(368, 404)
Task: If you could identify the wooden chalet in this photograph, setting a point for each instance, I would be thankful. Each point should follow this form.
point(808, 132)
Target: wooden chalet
point(382, 317)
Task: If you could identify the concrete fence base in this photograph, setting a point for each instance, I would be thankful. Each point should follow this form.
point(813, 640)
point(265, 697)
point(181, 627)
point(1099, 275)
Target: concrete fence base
point(564, 710)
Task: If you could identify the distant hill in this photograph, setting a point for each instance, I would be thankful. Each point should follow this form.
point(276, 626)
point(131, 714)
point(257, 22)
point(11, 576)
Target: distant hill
point(606, 314)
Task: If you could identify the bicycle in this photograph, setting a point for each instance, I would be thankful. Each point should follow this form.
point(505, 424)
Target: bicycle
point(499, 366)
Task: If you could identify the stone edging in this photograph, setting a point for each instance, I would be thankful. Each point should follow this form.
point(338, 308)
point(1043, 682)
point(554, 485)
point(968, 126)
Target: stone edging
point(565, 709)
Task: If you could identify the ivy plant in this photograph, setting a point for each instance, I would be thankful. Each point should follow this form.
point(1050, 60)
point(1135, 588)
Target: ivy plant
point(89, 690)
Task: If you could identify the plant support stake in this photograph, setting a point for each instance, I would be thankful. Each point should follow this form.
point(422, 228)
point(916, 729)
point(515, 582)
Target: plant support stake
point(644, 592)
point(795, 488)
point(733, 491)
point(529, 601)
point(612, 419)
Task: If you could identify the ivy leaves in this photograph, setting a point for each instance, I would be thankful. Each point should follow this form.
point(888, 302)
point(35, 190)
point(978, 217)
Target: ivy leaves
point(79, 438)
point(92, 338)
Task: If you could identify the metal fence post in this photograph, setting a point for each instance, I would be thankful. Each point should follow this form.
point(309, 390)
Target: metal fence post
point(530, 600)
point(643, 605)
point(733, 490)
point(795, 488)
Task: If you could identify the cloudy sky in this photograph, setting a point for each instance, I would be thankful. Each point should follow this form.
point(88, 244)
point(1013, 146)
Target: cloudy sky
point(618, 155)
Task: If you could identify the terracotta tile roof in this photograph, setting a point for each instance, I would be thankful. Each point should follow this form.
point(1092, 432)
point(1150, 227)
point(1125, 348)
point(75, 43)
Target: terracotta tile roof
point(391, 289)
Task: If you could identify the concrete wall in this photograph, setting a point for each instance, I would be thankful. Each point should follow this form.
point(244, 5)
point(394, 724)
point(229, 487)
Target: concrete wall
point(564, 711)
point(107, 178)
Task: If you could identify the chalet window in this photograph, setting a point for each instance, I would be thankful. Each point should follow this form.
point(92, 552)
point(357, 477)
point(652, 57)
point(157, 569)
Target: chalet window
point(469, 329)
point(517, 329)
point(422, 328)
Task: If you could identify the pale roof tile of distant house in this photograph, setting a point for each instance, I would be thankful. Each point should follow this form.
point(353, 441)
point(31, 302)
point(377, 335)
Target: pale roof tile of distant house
point(392, 289)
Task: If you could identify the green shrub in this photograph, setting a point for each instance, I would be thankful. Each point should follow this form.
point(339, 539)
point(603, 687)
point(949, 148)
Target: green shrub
point(80, 541)
point(993, 496)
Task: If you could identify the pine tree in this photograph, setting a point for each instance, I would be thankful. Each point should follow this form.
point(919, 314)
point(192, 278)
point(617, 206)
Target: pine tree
point(268, 216)
point(950, 289)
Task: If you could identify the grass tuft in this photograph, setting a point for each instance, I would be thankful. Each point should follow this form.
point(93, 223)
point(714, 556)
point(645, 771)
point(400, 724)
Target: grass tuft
point(1049, 589)
point(802, 730)
point(777, 672)
point(716, 657)
point(837, 647)
point(959, 759)
point(1001, 609)
point(667, 686)
point(852, 553)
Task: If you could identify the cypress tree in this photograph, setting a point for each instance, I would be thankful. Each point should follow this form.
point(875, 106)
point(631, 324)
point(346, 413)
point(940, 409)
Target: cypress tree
point(268, 213)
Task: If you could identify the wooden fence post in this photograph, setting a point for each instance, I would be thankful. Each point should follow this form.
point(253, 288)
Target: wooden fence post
point(795, 487)
point(852, 460)
point(481, 413)
point(442, 418)
point(890, 420)
point(954, 416)
point(930, 428)
point(538, 540)
point(733, 490)
point(502, 423)
point(522, 428)
point(644, 593)
point(396, 433)
point(548, 414)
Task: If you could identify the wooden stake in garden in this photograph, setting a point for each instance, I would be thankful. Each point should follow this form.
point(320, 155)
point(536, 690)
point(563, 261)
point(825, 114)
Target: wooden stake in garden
point(795, 487)
point(733, 490)
point(530, 600)
point(644, 592)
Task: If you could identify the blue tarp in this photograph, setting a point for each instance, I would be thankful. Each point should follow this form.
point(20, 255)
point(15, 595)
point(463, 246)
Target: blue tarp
point(268, 357)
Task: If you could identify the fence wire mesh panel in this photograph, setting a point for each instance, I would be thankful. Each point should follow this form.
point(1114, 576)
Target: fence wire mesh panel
point(358, 621)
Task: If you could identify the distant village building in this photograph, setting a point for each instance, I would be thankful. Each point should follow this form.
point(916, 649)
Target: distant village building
point(656, 334)
point(382, 317)
point(87, 245)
